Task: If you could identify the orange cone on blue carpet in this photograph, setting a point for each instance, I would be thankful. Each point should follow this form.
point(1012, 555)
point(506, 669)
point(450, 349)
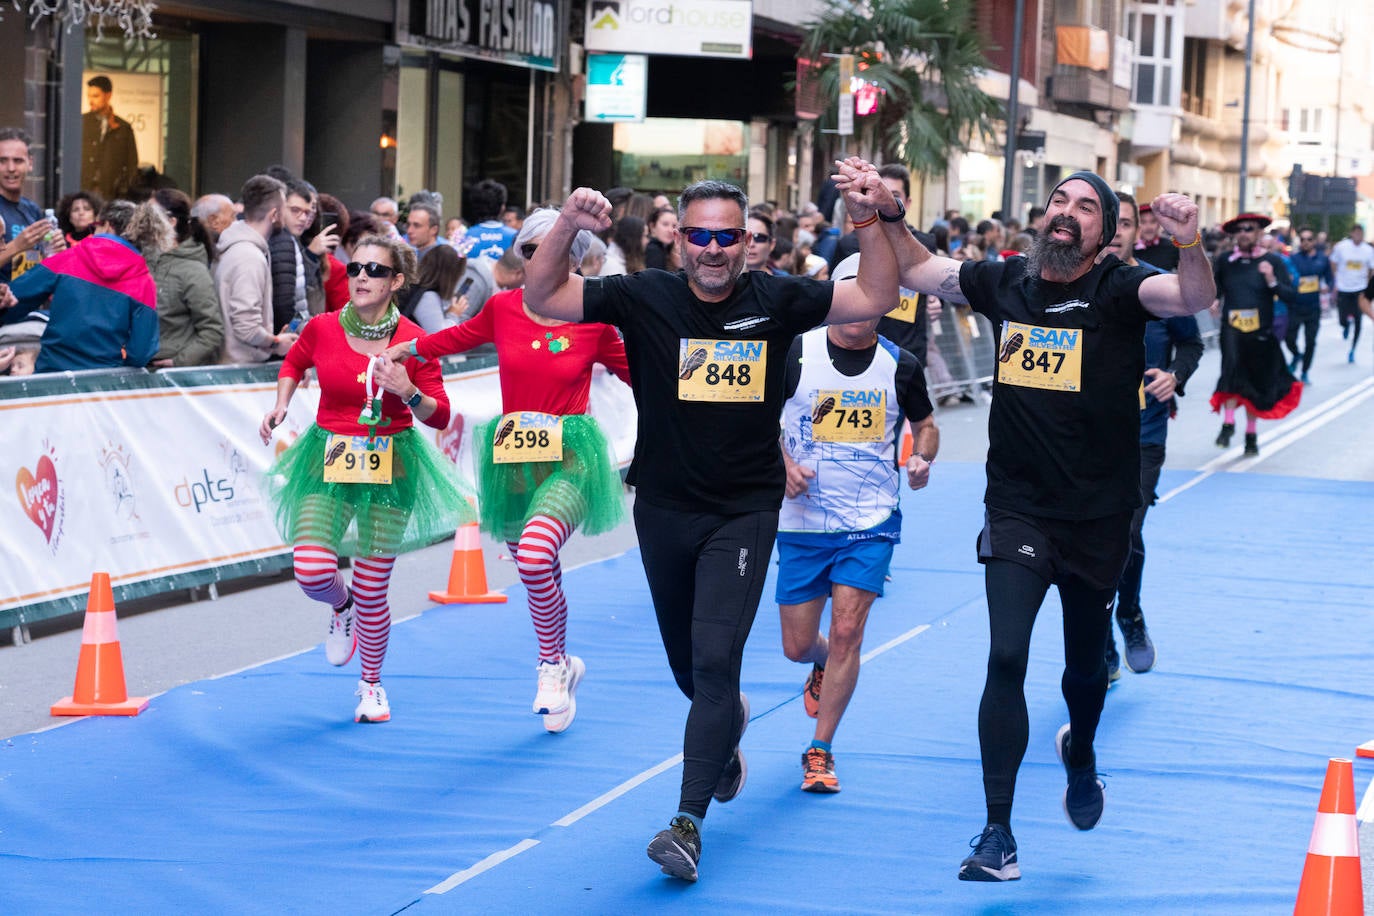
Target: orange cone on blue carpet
point(1365, 750)
point(100, 689)
point(467, 572)
point(1331, 878)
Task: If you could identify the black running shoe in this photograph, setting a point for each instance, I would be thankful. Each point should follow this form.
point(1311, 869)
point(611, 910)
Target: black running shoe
point(678, 849)
point(1140, 650)
point(1224, 437)
point(1083, 796)
point(993, 857)
point(1251, 444)
point(736, 771)
point(1113, 662)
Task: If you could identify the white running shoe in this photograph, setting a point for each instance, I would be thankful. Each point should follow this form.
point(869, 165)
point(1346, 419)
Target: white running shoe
point(555, 723)
point(552, 697)
point(373, 706)
point(341, 642)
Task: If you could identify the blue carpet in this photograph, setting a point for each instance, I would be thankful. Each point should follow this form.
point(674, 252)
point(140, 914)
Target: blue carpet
point(256, 793)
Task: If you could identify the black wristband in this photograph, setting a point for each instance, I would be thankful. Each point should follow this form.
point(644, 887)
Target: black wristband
point(901, 214)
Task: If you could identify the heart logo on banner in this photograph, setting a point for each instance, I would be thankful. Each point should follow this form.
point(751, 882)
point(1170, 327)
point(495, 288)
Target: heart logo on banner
point(38, 494)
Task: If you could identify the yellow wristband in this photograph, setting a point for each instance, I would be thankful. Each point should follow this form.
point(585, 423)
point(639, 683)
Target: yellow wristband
point(1197, 238)
point(868, 222)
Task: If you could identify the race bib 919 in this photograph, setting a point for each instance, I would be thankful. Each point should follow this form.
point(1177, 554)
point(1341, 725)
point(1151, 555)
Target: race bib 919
point(721, 370)
point(849, 416)
point(527, 436)
point(347, 459)
point(1036, 357)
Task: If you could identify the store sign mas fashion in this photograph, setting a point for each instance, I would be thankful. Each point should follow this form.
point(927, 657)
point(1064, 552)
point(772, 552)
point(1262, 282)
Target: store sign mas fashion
point(697, 28)
point(523, 32)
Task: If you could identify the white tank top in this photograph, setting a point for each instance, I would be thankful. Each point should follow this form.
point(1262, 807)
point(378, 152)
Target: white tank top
point(843, 428)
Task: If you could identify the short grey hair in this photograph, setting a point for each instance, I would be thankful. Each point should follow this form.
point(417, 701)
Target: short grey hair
point(209, 205)
point(710, 189)
point(538, 224)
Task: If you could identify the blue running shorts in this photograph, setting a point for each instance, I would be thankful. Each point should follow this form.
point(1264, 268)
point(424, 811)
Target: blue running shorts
point(807, 569)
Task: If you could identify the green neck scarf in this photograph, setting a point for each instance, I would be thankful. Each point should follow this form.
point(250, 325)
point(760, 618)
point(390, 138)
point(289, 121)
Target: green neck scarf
point(353, 325)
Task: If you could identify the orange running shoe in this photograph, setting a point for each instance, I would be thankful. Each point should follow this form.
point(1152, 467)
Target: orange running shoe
point(820, 771)
point(811, 693)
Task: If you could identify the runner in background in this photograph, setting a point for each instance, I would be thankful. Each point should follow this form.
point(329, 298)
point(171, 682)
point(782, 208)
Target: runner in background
point(1352, 258)
point(362, 484)
point(544, 467)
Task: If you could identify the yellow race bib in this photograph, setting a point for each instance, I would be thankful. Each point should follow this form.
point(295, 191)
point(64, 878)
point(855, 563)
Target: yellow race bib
point(1308, 284)
point(906, 307)
point(347, 459)
point(1036, 357)
point(849, 416)
point(527, 436)
point(721, 370)
point(1246, 321)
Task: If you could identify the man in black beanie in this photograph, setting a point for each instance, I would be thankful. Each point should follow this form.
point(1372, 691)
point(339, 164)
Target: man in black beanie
point(1063, 463)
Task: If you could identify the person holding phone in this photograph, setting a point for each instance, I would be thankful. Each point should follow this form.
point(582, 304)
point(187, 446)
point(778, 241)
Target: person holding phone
point(363, 484)
point(333, 224)
point(544, 466)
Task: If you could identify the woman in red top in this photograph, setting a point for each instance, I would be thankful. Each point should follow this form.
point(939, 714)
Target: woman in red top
point(544, 467)
point(363, 484)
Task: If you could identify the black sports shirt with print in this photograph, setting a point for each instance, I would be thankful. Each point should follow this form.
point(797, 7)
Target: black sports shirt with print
point(1064, 428)
point(708, 382)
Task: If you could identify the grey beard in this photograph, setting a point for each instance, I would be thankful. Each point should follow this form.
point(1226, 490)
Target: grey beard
point(1052, 256)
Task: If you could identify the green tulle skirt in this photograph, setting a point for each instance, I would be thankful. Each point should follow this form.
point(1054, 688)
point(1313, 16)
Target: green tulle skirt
point(425, 502)
point(583, 489)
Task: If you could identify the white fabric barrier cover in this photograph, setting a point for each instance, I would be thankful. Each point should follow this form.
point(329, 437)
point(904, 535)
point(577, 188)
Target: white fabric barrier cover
point(154, 483)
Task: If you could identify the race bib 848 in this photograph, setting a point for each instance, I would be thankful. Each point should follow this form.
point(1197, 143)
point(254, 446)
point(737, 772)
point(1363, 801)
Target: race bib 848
point(721, 370)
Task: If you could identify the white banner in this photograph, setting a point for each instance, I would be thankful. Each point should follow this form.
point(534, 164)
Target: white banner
point(152, 483)
point(688, 28)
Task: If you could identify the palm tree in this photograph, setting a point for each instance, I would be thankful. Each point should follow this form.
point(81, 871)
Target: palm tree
point(925, 57)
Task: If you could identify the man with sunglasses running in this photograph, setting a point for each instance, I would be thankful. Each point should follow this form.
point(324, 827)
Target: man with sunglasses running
point(707, 351)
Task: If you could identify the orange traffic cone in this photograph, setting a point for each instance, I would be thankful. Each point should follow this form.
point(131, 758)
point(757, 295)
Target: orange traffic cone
point(1331, 877)
point(100, 687)
point(467, 573)
point(1365, 750)
point(908, 444)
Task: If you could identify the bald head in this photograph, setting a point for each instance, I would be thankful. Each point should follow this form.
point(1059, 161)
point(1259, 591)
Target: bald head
point(215, 212)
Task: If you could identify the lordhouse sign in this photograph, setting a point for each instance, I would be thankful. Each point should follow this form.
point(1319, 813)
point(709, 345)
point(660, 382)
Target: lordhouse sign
point(697, 28)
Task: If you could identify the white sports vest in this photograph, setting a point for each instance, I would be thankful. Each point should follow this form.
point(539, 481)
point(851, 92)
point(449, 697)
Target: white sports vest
point(825, 424)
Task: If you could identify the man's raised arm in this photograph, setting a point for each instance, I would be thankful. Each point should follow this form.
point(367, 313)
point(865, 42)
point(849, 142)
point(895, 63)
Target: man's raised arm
point(1193, 288)
point(550, 289)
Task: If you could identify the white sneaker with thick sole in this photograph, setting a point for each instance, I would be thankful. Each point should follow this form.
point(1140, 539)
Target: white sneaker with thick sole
point(373, 706)
point(559, 722)
point(552, 696)
point(341, 642)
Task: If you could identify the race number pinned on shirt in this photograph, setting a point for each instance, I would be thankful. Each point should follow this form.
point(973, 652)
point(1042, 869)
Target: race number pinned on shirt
point(1246, 321)
point(347, 459)
point(1308, 284)
point(906, 306)
point(849, 416)
point(721, 370)
point(1036, 357)
point(527, 436)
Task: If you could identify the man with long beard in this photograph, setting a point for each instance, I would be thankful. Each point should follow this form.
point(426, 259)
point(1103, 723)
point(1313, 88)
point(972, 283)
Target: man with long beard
point(1063, 464)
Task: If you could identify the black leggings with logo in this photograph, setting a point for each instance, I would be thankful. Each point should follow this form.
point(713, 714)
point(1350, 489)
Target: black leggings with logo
point(706, 575)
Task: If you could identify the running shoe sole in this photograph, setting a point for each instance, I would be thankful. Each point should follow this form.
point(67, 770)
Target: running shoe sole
point(558, 723)
point(671, 856)
point(820, 787)
point(1063, 758)
point(975, 872)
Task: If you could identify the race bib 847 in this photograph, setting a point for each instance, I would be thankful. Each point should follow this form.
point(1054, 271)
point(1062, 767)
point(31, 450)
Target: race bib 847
point(1036, 357)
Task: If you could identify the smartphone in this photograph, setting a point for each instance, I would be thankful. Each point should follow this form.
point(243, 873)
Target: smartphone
point(463, 288)
point(328, 220)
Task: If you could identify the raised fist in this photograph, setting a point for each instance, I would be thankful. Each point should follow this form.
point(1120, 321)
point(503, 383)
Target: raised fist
point(588, 209)
point(1178, 215)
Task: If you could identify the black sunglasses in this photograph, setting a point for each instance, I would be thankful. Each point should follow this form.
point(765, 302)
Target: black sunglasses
point(374, 270)
point(528, 249)
point(761, 237)
point(703, 237)
point(1306, 238)
point(1247, 227)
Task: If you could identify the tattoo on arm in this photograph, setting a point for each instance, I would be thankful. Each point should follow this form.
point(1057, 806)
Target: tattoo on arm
point(949, 283)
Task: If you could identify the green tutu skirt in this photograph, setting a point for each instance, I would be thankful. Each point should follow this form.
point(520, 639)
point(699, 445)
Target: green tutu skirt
point(425, 501)
point(583, 489)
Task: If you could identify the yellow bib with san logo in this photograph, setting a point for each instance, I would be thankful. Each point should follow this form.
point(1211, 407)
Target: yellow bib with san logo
point(526, 436)
point(1308, 284)
point(1036, 357)
point(1246, 321)
point(347, 459)
point(849, 416)
point(906, 306)
point(721, 370)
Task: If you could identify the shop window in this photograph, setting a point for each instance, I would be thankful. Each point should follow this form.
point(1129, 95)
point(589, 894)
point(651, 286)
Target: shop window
point(667, 154)
point(1158, 38)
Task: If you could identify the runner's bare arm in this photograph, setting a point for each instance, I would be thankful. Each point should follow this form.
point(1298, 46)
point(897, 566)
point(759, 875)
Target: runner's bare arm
point(1193, 288)
point(550, 290)
point(874, 291)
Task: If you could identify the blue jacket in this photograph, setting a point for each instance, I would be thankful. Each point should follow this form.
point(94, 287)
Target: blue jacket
point(103, 310)
point(1173, 344)
point(1309, 271)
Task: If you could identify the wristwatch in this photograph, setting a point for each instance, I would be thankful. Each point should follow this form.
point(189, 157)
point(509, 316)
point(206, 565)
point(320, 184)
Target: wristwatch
point(901, 214)
point(414, 400)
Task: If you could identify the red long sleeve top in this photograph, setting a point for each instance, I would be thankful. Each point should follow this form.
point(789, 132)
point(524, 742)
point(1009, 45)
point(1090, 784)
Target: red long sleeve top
point(545, 369)
point(342, 373)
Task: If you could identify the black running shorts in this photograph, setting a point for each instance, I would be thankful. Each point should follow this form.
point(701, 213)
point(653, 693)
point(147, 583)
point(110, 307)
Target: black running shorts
point(1093, 550)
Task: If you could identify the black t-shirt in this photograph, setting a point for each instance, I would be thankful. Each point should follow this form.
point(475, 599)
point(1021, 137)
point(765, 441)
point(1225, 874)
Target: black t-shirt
point(910, 382)
point(1071, 452)
point(704, 455)
point(1162, 254)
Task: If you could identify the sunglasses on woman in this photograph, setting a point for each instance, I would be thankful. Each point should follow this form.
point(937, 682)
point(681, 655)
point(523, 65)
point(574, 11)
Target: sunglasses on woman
point(702, 237)
point(528, 249)
point(371, 268)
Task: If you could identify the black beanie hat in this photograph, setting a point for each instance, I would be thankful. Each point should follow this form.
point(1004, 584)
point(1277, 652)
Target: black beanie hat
point(1111, 207)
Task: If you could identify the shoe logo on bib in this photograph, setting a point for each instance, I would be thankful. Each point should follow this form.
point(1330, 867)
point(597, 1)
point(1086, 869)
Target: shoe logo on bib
point(1027, 549)
point(743, 561)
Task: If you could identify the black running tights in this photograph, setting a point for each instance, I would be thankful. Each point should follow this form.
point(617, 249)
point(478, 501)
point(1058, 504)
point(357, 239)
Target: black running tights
point(706, 575)
point(1015, 593)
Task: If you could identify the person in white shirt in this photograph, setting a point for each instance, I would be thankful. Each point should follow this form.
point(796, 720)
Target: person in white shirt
point(1353, 262)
